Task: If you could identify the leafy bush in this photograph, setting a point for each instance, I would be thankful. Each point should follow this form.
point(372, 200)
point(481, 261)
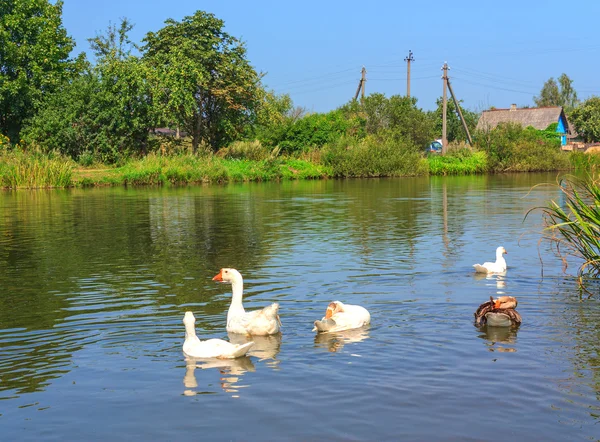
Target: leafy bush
point(371, 157)
point(509, 147)
point(314, 130)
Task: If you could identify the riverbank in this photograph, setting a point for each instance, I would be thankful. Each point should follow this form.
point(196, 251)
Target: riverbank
point(19, 170)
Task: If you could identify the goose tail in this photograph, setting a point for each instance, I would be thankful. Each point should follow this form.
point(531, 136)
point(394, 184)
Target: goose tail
point(242, 349)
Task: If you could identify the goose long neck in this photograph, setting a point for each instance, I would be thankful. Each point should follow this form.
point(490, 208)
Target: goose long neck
point(190, 330)
point(237, 289)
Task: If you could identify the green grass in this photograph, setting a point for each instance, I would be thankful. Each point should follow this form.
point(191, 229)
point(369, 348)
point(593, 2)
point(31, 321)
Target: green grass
point(346, 158)
point(455, 164)
point(20, 170)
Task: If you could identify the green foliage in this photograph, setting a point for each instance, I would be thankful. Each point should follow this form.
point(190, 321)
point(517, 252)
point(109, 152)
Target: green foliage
point(572, 223)
point(31, 171)
point(586, 119)
point(454, 128)
point(314, 130)
point(557, 94)
point(187, 169)
point(248, 150)
point(272, 120)
point(509, 147)
point(585, 161)
point(202, 79)
point(106, 111)
point(371, 157)
point(34, 59)
point(397, 117)
point(458, 162)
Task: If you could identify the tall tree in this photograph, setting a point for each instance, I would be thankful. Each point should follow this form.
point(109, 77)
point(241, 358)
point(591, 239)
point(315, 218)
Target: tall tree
point(568, 95)
point(586, 119)
point(106, 112)
point(557, 94)
point(34, 58)
point(206, 84)
point(549, 95)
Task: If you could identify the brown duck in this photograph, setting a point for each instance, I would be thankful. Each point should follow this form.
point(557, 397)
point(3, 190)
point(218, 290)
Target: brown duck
point(498, 312)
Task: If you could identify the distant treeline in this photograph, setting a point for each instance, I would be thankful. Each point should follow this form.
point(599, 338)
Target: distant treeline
point(195, 79)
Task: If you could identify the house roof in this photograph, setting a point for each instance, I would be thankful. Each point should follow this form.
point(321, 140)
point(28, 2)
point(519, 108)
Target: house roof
point(538, 117)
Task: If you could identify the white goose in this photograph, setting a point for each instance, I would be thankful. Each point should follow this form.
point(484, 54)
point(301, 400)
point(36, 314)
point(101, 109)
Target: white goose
point(211, 348)
point(493, 267)
point(259, 322)
point(340, 317)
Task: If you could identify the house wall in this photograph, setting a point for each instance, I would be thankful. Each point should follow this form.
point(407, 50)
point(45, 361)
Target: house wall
point(562, 129)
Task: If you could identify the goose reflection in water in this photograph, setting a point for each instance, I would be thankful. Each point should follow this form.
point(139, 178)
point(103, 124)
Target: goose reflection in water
point(335, 341)
point(499, 339)
point(497, 279)
point(230, 372)
point(265, 348)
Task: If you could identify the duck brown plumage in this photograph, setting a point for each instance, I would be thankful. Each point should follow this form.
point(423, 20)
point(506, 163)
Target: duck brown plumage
point(504, 305)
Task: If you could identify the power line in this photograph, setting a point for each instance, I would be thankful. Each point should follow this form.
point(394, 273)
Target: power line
point(493, 87)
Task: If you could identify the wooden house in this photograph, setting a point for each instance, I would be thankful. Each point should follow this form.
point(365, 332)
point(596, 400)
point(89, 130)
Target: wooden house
point(537, 117)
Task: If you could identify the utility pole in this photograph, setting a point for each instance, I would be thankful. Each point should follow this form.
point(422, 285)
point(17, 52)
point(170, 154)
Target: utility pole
point(361, 84)
point(363, 80)
point(462, 119)
point(445, 108)
point(408, 59)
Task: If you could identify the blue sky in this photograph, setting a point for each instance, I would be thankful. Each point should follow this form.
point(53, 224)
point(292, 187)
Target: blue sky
point(498, 52)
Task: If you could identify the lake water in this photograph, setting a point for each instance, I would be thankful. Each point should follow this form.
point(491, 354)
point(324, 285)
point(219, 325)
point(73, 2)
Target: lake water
point(94, 284)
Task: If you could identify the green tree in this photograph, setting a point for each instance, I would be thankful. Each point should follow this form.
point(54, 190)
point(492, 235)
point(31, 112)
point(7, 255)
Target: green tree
point(568, 95)
point(122, 110)
point(454, 128)
point(557, 94)
point(204, 81)
point(397, 117)
point(106, 111)
point(586, 119)
point(34, 58)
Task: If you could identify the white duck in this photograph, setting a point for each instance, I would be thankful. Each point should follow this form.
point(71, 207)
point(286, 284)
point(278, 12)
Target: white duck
point(340, 317)
point(211, 348)
point(493, 267)
point(259, 322)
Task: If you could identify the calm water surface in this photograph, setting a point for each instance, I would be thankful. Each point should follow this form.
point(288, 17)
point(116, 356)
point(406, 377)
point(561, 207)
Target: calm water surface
point(94, 285)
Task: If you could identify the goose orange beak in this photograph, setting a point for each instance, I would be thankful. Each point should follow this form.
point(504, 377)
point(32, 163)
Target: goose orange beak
point(219, 277)
point(497, 303)
point(329, 312)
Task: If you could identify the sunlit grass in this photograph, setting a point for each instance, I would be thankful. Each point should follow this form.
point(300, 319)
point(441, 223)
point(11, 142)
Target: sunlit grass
point(455, 164)
point(19, 170)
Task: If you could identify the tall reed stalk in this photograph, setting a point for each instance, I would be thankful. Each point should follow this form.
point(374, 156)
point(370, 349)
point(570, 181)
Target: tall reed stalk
point(572, 225)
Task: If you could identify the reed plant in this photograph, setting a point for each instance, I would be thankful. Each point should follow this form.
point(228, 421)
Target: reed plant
point(572, 224)
point(247, 150)
point(589, 162)
point(32, 170)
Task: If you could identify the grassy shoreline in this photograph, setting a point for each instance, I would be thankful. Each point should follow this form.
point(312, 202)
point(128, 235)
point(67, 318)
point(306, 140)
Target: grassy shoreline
point(27, 171)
